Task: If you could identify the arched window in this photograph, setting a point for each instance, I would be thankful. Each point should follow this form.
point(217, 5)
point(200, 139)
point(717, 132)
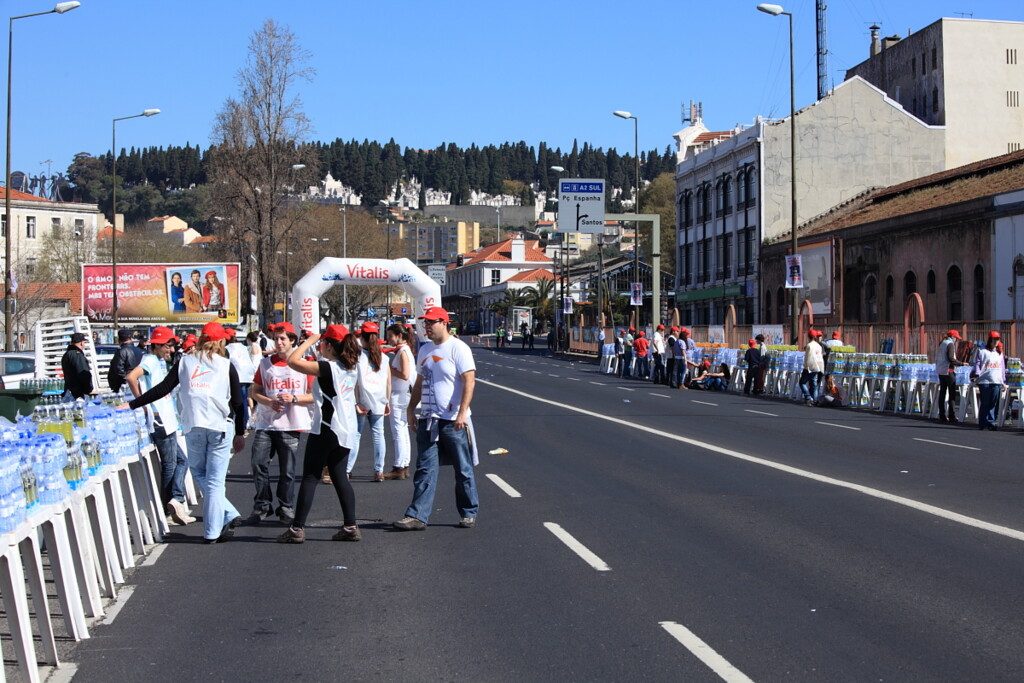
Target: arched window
point(687, 208)
point(706, 202)
point(909, 284)
point(979, 292)
point(954, 294)
point(931, 282)
point(700, 205)
point(768, 307)
point(727, 194)
point(890, 300)
point(871, 299)
point(719, 197)
point(751, 186)
point(741, 189)
point(780, 305)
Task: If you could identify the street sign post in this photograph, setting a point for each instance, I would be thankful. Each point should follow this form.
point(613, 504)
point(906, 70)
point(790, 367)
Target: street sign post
point(436, 273)
point(581, 205)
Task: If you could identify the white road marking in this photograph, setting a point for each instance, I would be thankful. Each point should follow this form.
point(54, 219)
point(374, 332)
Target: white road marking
point(704, 403)
point(154, 556)
point(956, 517)
point(521, 369)
point(943, 443)
point(573, 379)
point(600, 384)
point(661, 395)
point(704, 653)
point(832, 424)
point(550, 375)
point(585, 554)
point(537, 372)
point(115, 609)
point(626, 389)
point(760, 412)
point(501, 484)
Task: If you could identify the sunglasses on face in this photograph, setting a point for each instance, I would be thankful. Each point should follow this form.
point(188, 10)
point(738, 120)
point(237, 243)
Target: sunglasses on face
point(428, 323)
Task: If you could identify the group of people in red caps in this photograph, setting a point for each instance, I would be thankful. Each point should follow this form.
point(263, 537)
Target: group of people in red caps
point(667, 358)
point(326, 385)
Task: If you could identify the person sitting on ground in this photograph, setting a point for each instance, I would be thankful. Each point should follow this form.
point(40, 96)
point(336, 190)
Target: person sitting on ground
point(709, 380)
point(832, 395)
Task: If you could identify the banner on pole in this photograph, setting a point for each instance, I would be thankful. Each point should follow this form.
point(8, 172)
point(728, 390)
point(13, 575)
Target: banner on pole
point(794, 272)
point(636, 297)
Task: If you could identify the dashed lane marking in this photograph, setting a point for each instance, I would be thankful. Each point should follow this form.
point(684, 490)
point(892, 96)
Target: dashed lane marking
point(550, 375)
point(503, 485)
point(573, 379)
point(626, 389)
point(585, 554)
point(956, 517)
point(943, 443)
point(760, 412)
point(832, 424)
point(705, 653)
point(661, 395)
point(703, 403)
point(600, 384)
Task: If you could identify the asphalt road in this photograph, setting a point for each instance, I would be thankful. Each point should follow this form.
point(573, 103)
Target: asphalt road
point(631, 532)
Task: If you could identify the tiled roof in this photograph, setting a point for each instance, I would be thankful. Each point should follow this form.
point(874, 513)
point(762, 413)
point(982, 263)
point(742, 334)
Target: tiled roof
point(106, 232)
point(159, 219)
point(18, 194)
point(502, 251)
point(712, 136)
point(532, 275)
point(58, 291)
point(981, 179)
point(204, 239)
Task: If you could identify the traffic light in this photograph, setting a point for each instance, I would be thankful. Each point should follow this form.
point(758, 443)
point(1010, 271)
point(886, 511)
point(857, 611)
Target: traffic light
point(460, 260)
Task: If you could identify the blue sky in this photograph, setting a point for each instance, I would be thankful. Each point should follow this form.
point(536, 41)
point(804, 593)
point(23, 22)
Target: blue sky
point(430, 72)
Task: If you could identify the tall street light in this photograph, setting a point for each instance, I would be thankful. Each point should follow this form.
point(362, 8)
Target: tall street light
point(636, 209)
point(776, 10)
point(560, 283)
point(113, 198)
point(59, 8)
point(344, 254)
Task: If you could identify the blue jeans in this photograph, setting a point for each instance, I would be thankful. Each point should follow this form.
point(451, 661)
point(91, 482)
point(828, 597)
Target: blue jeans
point(988, 402)
point(714, 384)
point(266, 444)
point(453, 444)
point(209, 453)
point(809, 385)
point(659, 369)
point(627, 359)
point(379, 447)
point(173, 465)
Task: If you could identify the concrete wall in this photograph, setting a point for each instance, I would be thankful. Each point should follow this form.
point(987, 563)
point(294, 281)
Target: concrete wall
point(1008, 249)
point(511, 216)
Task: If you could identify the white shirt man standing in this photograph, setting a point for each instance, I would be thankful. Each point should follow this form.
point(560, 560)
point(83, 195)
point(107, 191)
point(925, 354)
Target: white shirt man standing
point(444, 388)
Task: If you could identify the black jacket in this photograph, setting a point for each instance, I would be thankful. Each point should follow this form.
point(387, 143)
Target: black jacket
point(77, 375)
point(128, 356)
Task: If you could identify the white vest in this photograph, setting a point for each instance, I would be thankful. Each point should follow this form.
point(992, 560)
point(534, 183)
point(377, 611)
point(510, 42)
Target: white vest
point(373, 384)
point(343, 423)
point(282, 379)
point(402, 387)
point(205, 393)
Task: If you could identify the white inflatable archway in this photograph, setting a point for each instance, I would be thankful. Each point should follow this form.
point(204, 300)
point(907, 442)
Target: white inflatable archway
point(354, 271)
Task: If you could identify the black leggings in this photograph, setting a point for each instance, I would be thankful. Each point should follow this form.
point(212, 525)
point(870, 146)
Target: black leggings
point(323, 449)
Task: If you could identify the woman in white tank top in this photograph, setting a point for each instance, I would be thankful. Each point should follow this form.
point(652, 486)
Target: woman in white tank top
point(374, 397)
point(403, 377)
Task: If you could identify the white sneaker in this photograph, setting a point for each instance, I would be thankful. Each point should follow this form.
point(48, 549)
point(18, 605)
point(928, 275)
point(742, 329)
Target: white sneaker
point(179, 512)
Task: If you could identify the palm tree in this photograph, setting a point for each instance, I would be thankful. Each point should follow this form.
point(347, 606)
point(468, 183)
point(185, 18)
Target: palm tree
point(514, 298)
point(540, 296)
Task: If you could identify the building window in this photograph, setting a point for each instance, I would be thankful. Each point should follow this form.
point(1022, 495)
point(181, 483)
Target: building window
point(1011, 55)
point(890, 299)
point(30, 267)
point(687, 209)
point(871, 299)
point(913, 65)
point(931, 282)
point(768, 307)
point(1012, 147)
point(705, 260)
point(1013, 98)
point(706, 203)
point(55, 227)
point(909, 284)
point(979, 292)
point(935, 58)
point(751, 178)
point(780, 305)
point(30, 227)
point(741, 189)
point(923, 64)
point(935, 100)
point(727, 255)
point(495, 277)
point(3, 225)
point(727, 194)
point(954, 294)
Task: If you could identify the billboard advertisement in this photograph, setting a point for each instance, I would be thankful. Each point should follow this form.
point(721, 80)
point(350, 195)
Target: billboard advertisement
point(162, 293)
point(817, 276)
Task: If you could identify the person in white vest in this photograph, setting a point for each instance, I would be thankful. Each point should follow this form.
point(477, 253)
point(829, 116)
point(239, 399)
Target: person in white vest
point(162, 420)
point(403, 377)
point(334, 432)
point(372, 403)
point(239, 356)
point(211, 409)
point(444, 430)
point(283, 399)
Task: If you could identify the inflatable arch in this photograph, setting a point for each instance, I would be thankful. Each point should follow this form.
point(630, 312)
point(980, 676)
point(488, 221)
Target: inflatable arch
point(354, 271)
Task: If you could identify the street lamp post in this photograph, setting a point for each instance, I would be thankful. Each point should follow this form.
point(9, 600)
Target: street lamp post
point(113, 200)
point(560, 283)
point(636, 208)
point(344, 254)
point(59, 8)
point(776, 10)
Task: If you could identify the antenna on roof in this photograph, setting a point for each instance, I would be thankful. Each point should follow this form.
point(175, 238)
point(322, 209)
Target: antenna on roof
point(965, 15)
point(693, 113)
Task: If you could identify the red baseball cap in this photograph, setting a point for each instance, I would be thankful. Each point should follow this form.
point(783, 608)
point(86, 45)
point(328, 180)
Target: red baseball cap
point(954, 334)
point(993, 335)
point(660, 327)
point(369, 327)
point(683, 329)
point(641, 333)
point(190, 341)
point(335, 332)
point(285, 327)
point(213, 331)
point(161, 335)
point(435, 313)
point(835, 335)
point(751, 343)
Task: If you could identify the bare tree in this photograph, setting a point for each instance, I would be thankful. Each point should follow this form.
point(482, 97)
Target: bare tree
point(258, 155)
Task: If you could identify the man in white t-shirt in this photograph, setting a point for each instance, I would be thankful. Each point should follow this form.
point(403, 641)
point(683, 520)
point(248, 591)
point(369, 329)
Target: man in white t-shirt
point(283, 398)
point(444, 390)
point(163, 423)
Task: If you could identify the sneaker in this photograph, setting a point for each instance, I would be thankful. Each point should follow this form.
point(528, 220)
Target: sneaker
point(292, 535)
point(378, 476)
point(256, 517)
point(178, 512)
point(409, 524)
point(467, 522)
point(226, 534)
point(347, 534)
point(235, 523)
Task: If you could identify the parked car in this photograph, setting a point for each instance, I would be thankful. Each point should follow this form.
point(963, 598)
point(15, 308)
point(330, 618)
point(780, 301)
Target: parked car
point(14, 367)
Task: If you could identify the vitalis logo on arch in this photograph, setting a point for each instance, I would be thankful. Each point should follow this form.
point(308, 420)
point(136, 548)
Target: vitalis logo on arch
point(358, 272)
